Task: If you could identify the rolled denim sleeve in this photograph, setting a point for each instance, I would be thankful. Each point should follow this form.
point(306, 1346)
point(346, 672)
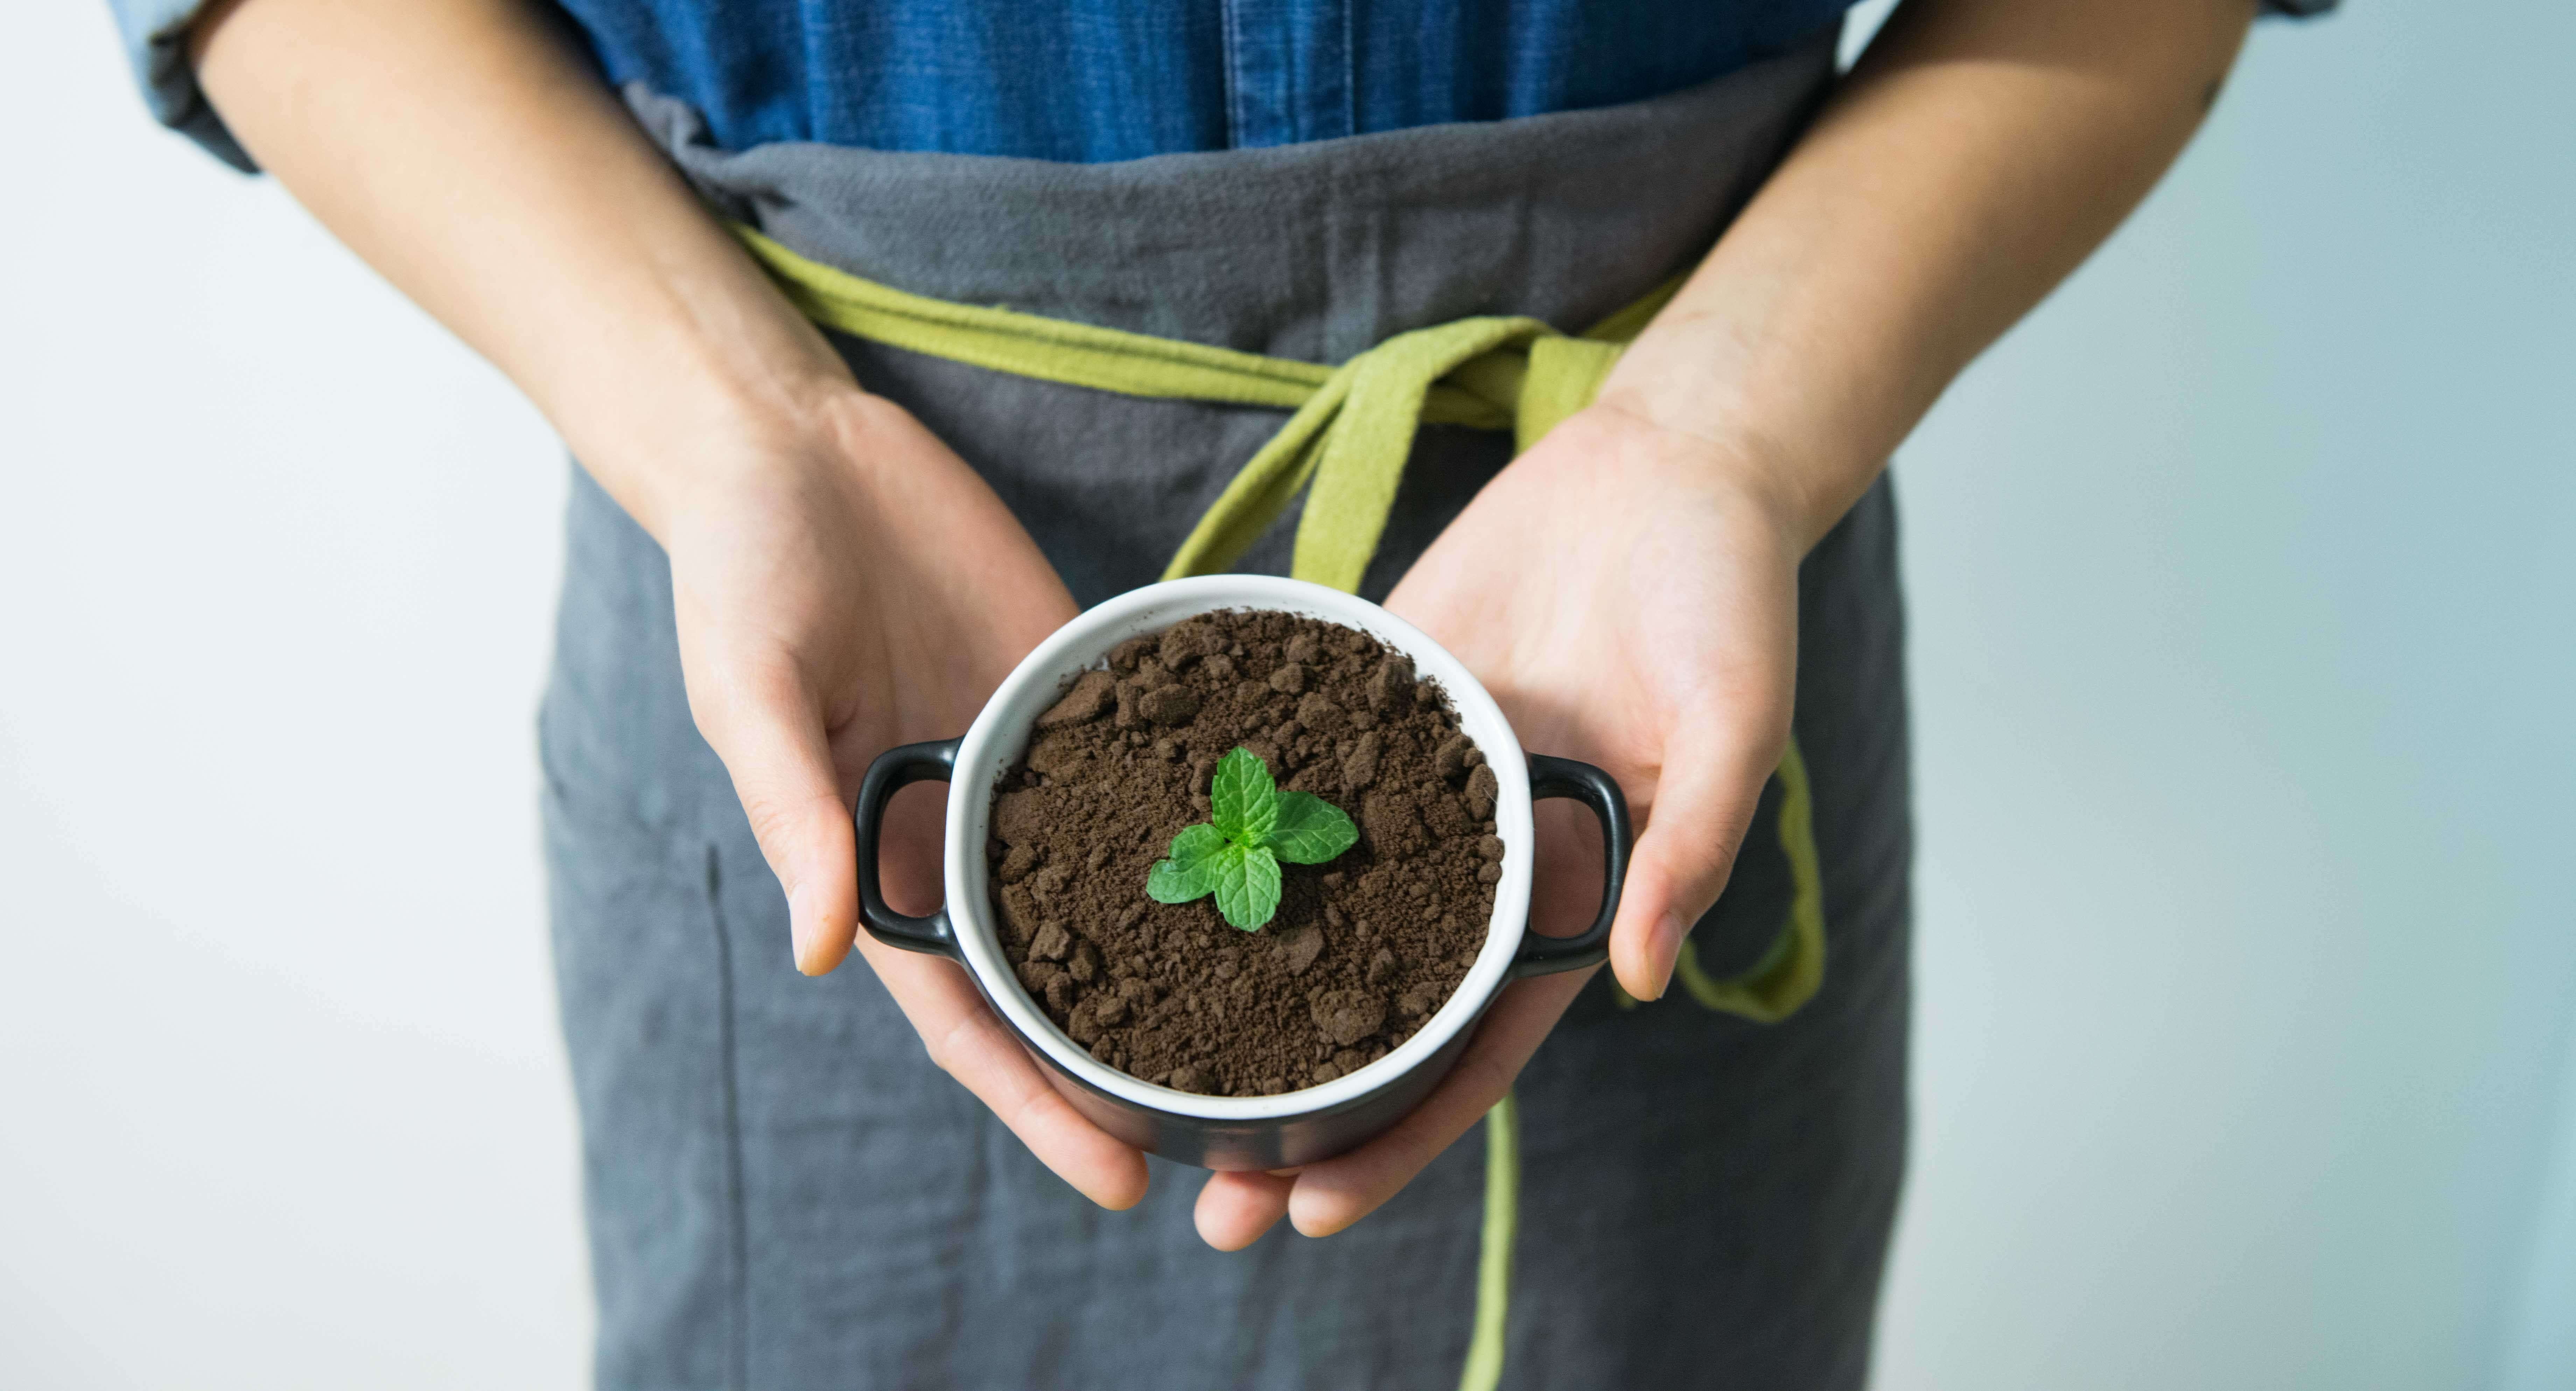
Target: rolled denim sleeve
point(156, 44)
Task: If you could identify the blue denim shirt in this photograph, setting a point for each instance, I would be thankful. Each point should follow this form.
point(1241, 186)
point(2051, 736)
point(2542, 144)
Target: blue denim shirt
point(1097, 80)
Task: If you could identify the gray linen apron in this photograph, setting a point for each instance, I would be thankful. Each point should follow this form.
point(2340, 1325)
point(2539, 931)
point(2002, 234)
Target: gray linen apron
point(784, 1192)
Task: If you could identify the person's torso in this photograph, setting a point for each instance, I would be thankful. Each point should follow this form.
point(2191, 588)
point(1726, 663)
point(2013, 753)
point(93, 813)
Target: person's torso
point(1092, 81)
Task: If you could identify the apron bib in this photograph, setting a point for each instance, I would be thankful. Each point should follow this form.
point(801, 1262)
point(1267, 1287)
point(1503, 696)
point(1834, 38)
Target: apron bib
point(784, 1192)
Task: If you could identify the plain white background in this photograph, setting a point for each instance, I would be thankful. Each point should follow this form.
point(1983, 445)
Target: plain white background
point(2241, 586)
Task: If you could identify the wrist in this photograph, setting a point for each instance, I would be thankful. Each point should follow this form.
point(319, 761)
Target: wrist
point(1757, 473)
point(662, 452)
point(1809, 447)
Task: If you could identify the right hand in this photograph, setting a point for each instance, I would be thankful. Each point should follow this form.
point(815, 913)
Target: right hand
point(843, 587)
point(844, 582)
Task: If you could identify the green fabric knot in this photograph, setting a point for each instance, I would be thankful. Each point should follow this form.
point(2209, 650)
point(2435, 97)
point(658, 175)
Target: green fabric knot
point(1351, 439)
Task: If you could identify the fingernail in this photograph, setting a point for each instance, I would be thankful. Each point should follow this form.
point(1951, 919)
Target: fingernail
point(802, 929)
point(1663, 951)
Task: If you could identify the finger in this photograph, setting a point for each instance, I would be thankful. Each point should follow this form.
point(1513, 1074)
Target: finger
point(1338, 1192)
point(1236, 1208)
point(971, 1044)
point(769, 731)
point(1713, 777)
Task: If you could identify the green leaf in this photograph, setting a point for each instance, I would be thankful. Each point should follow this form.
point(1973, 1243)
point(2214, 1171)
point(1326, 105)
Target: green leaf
point(1232, 856)
point(1245, 800)
point(1247, 888)
point(1310, 830)
point(1192, 869)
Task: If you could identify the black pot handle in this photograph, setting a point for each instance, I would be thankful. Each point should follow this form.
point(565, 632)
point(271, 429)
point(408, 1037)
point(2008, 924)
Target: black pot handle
point(894, 769)
point(1564, 777)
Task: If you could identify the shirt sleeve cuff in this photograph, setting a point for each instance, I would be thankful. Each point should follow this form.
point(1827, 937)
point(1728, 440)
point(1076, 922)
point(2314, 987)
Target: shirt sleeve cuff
point(156, 45)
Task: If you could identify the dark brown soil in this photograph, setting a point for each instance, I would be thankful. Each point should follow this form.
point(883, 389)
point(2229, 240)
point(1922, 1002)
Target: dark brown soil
point(1362, 950)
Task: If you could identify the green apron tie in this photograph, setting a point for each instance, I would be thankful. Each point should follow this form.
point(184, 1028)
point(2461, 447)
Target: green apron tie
point(1348, 440)
point(1352, 437)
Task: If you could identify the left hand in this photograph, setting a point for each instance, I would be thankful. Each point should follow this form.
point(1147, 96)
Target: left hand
point(1628, 593)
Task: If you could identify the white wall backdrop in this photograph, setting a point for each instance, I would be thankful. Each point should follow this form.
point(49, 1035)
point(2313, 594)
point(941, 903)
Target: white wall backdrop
point(2244, 588)
point(281, 1103)
point(2244, 601)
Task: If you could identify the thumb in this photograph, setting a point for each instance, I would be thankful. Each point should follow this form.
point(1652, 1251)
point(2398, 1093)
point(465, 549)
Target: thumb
point(1712, 781)
point(769, 731)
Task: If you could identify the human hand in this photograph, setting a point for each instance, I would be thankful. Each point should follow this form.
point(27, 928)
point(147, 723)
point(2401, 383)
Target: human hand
point(1628, 593)
point(842, 587)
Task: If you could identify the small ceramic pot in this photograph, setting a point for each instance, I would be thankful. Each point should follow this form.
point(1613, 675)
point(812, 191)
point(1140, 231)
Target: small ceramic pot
point(1240, 1132)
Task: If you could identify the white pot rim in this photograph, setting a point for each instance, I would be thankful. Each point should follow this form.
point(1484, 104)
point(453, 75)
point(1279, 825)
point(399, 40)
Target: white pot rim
point(1000, 735)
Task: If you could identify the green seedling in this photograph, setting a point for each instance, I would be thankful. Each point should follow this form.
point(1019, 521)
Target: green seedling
point(1236, 854)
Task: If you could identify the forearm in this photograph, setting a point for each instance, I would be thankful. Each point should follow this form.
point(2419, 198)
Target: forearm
point(1976, 155)
point(466, 153)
